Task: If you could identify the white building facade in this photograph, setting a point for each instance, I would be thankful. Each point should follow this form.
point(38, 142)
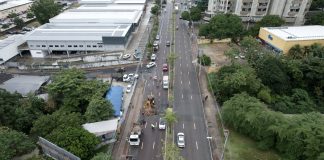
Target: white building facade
point(292, 11)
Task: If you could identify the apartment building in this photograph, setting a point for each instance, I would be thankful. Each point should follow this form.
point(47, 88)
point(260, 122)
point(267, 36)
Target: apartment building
point(292, 11)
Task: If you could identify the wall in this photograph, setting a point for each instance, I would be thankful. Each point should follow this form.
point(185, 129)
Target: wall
point(290, 44)
point(38, 53)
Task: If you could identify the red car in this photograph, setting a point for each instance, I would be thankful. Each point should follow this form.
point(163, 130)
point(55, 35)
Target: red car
point(165, 67)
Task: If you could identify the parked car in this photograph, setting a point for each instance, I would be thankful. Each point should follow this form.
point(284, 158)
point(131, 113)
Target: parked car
point(150, 65)
point(126, 78)
point(168, 43)
point(165, 67)
point(162, 123)
point(128, 88)
point(126, 56)
point(27, 29)
point(157, 37)
point(153, 57)
point(181, 140)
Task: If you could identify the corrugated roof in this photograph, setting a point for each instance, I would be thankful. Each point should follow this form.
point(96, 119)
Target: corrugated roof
point(102, 127)
point(13, 3)
point(115, 95)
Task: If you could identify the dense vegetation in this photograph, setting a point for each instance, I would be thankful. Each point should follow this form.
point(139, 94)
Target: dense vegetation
point(73, 101)
point(252, 92)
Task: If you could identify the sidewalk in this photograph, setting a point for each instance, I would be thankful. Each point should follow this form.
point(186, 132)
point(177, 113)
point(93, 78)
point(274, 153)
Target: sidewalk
point(210, 107)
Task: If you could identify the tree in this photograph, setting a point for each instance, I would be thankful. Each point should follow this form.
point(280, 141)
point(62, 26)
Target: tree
point(195, 14)
point(233, 79)
point(170, 117)
point(172, 152)
point(185, 15)
point(204, 30)
point(30, 15)
point(204, 60)
point(12, 15)
point(226, 26)
point(19, 22)
point(76, 140)
point(45, 9)
point(102, 156)
point(5, 26)
point(316, 19)
point(13, 143)
point(317, 4)
point(45, 124)
point(267, 21)
point(296, 52)
point(232, 53)
point(155, 10)
point(8, 105)
point(99, 109)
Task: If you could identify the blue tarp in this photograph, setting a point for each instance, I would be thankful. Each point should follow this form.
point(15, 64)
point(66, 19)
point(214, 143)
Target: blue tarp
point(115, 95)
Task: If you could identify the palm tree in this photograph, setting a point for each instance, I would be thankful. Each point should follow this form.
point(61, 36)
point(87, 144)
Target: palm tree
point(170, 117)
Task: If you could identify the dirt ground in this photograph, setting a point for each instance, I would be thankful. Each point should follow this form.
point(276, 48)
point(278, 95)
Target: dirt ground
point(216, 52)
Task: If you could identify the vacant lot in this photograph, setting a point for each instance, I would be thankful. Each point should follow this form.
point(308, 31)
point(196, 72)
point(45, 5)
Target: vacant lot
point(242, 148)
point(216, 53)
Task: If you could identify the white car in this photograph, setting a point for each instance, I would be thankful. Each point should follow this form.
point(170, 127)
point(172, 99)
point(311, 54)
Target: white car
point(162, 123)
point(181, 140)
point(150, 65)
point(128, 88)
point(136, 76)
point(126, 78)
point(153, 57)
point(157, 37)
point(126, 56)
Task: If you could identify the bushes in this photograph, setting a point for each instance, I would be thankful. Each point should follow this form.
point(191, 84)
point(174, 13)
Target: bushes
point(204, 60)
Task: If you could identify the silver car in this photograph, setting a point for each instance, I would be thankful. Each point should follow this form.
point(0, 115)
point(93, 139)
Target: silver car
point(181, 140)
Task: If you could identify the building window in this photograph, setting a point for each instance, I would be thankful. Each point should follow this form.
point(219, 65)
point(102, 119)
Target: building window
point(56, 45)
point(62, 45)
point(89, 46)
point(80, 45)
point(50, 45)
point(75, 45)
point(43, 45)
point(37, 45)
point(94, 46)
point(69, 46)
point(100, 46)
point(31, 45)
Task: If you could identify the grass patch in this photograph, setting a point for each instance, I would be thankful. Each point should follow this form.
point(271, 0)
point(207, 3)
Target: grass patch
point(240, 147)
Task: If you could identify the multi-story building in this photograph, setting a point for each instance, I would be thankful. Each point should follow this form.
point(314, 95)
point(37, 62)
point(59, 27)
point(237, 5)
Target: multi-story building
point(292, 11)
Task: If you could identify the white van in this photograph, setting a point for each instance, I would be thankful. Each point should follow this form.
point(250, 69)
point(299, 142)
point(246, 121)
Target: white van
point(165, 82)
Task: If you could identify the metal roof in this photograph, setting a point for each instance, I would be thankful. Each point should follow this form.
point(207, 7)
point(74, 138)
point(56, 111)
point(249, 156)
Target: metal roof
point(11, 40)
point(102, 127)
point(111, 7)
point(12, 3)
point(293, 33)
point(78, 32)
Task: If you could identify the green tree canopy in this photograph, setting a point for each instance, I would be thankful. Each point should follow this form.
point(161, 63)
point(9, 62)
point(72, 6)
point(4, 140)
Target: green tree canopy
point(267, 21)
point(76, 140)
point(155, 10)
point(317, 4)
point(316, 19)
point(19, 22)
point(233, 79)
point(170, 117)
point(226, 26)
point(99, 109)
point(195, 14)
point(8, 105)
point(204, 30)
point(172, 152)
point(45, 124)
point(204, 60)
point(185, 15)
point(45, 9)
point(13, 143)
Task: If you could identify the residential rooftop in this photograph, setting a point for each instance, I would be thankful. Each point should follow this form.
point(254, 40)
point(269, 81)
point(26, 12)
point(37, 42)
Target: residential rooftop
point(297, 32)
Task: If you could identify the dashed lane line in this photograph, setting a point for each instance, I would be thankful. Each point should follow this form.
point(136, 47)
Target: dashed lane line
point(154, 144)
point(195, 126)
point(196, 145)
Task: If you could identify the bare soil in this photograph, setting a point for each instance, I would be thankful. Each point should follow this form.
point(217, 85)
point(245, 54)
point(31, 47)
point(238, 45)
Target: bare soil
point(216, 52)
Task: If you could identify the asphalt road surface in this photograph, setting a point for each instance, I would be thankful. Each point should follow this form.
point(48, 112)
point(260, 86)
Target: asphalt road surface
point(187, 98)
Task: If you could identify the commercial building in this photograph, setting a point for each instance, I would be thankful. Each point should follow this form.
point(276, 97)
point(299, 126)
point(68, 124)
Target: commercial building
point(9, 47)
point(292, 11)
point(13, 6)
point(281, 39)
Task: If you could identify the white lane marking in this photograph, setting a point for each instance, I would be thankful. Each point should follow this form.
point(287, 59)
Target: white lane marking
point(159, 93)
point(145, 124)
point(189, 82)
point(191, 97)
point(142, 145)
point(195, 126)
point(188, 72)
point(154, 144)
point(180, 64)
point(182, 95)
point(151, 93)
point(181, 82)
point(187, 65)
point(196, 145)
point(183, 125)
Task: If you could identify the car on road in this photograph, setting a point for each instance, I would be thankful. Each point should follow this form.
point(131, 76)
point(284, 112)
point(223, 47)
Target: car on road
point(128, 88)
point(162, 123)
point(181, 140)
point(165, 67)
point(150, 65)
point(168, 43)
point(157, 37)
point(153, 57)
point(126, 78)
point(126, 56)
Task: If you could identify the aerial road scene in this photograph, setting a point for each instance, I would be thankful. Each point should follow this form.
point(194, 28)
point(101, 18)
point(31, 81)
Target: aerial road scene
point(161, 79)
